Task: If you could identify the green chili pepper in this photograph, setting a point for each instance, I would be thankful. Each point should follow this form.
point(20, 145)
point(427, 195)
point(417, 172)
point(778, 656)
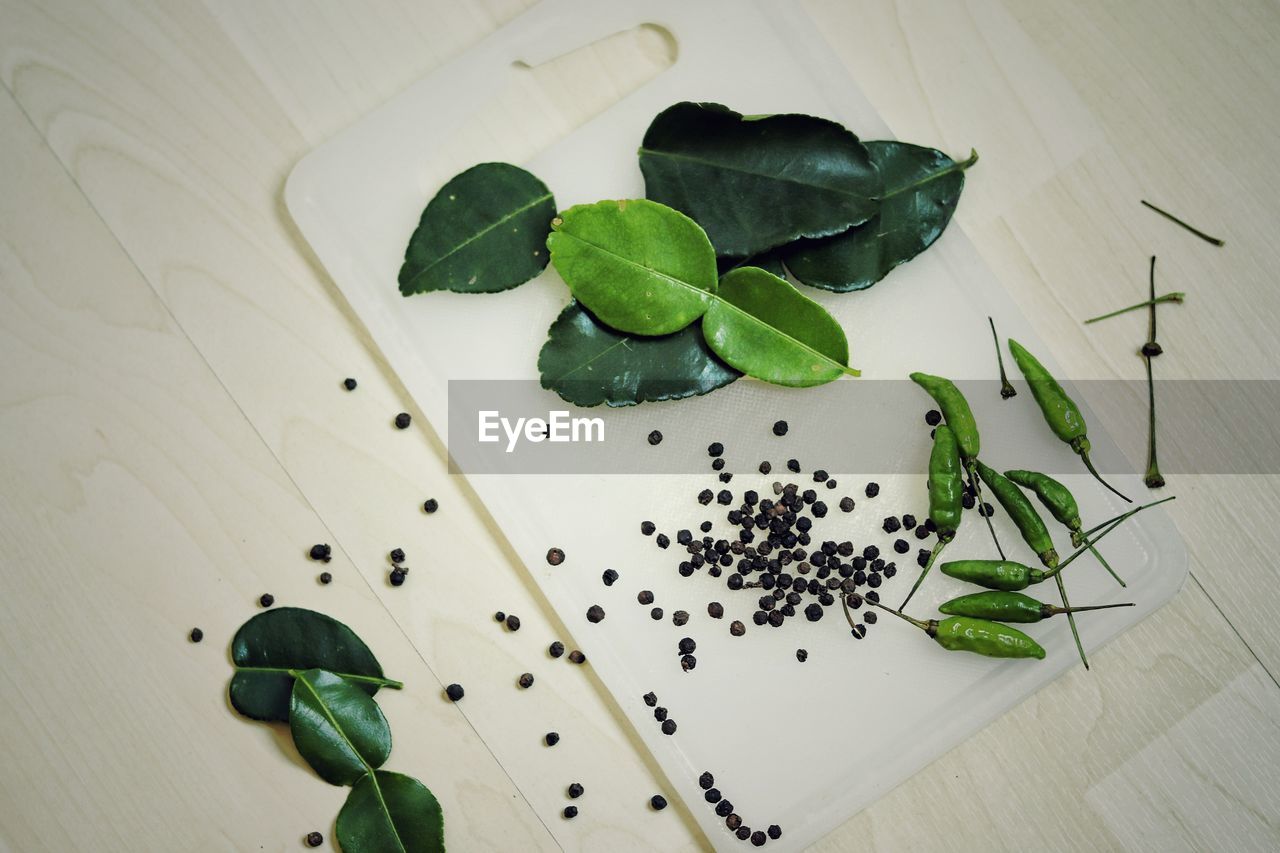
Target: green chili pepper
point(1059, 410)
point(955, 410)
point(963, 634)
point(1023, 513)
point(946, 494)
point(1001, 606)
point(1061, 504)
point(1011, 576)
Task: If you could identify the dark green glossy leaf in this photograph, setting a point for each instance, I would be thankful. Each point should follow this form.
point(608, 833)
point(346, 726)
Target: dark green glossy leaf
point(271, 646)
point(336, 727)
point(639, 266)
point(921, 189)
point(766, 328)
point(390, 813)
point(485, 231)
point(587, 363)
point(755, 182)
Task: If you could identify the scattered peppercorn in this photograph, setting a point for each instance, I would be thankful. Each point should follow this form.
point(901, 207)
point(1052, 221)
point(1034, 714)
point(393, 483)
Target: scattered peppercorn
point(397, 555)
point(576, 656)
point(645, 597)
point(757, 838)
point(555, 556)
point(576, 790)
point(196, 635)
point(680, 618)
point(736, 628)
point(315, 839)
point(663, 540)
point(660, 714)
point(743, 832)
point(802, 655)
point(846, 504)
point(595, 614)
point(793, 465)
point(717, 465)
point(901, 546)
point(733, 821)
point(499, 617)
point(656, 614)
point(267, 599)
point(724, 808)
point(706, 781)
point(669, 727)
point(687, 646)
point(325, 577)
point(765, 467)
point(775, 832)
point(397, 576)
point(908, 521)
point(403, 420)
point(609, 577)
point(454, 692)
point(967, 500)
point(570, 812)
point(713, 795)
point(321, 553)
point(872, 489)
point(552, 738)
point(688, 662)
point(526, 680)
point(647, 528)
point(513, 623)
point(430, 505)
point(651, 699)
point(933, 417)
point(870, 617)
point(859, 631)
point(780, 428)
point(892, 525)
point(655, 437)
point(986, 510)
point(715, 610)
point(715, 449)
point(658, 802)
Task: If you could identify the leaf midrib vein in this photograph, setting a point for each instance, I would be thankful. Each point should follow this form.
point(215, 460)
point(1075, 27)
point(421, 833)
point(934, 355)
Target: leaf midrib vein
point(505, 219)
point(799, 343)
point(782, 178)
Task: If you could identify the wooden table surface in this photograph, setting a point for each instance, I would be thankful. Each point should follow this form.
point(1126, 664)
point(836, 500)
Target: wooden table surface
point(173, 436)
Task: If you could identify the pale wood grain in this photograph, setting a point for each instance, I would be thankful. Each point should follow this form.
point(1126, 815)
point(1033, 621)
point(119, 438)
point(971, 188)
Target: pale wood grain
point(189, 185)
point(137, 503)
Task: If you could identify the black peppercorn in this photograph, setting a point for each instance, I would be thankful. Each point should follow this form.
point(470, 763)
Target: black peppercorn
point(717, 465)
point(656, 614)
point(320, 552)
point(687, 646)
point(986, 510)
point(397, 555)
point(873, 596)
point(760, 617)
point(403, 420)
point(556, 649)
point(724, 808)
point(454, 692)
point(570, 812)
point(645, 597)
point(733, 821)
point(350, 385)
point(780, 428)
point(576, 790)
point(650, 698)
point(655, 437)
point(891, 525)
point(609, 577)
point(688, 662)
point(757, 838)
point(663, 540)
point(873, 581)
point(499, 616)
point(908, 521)
point(873, 489)
point(513, 623)
point(325, 578)
point(267, 599)
point(765, 467)
point(397, 576)
point(846, 504)
point(933, 417)
point(705, 527)
point(802, 655)
point(713, 795)
point(660, 713)
point(576, 656)
point(526, 680)
point(715, 610)
point(679, 618)
point(647, 528)
point(595, 614)
point(555, 556)
point(776, 618)
point(669, 727)
point(743, 832)
point(967, 500)
point(870, 617)
point(658, 802)
point(315, 839)
point(715, 449)
point(890, 570)
point(775, 832)
point(736, 628)
point(196, 635)
point(922, 532)
point(552, 738)
point(430, 505)
point(706, 496)
point(901, 546)
point(858, 631)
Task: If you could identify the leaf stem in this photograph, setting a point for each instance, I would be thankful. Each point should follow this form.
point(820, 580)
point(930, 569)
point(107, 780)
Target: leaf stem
point(1176, 297)
point(1006, 390)
point(1196, 231)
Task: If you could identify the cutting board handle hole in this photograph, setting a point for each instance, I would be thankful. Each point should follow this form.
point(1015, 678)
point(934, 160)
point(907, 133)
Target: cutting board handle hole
point(630, 58)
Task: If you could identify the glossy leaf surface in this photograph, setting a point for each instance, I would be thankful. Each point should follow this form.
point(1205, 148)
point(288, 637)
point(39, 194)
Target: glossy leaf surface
point(390, 813)
point(337, 727)
point(587, 363)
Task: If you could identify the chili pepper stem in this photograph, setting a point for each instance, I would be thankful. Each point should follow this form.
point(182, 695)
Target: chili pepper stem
point(1084, 454)
point(1106, 565)
point(923, 626)
point(937, 549)
point(1176, 296)
point(1006, 390)
point(1071, 620)
point(971, 469)
point(1110, 526)
point(1153, 477)
point(1196, 231)
point(1084, 537)
point(1054, 611)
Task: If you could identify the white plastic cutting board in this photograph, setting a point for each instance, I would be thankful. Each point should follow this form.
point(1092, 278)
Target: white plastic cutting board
point(803, 746)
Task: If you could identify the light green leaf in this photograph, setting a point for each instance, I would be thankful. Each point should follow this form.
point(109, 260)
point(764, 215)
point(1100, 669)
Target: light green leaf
point(639, 266)
point(271, 646)
point(390, 813)
point(485, 231)
point(921, 189)
point(587, 363)
point(759, 182)
point(766, 328)
point(336, 727)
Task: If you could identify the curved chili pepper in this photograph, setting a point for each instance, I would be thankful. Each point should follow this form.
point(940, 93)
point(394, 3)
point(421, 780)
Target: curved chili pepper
point(1011, 607)
point(1059, 410)
point(1061, 504)
point(1023, 513)
point(959, 417)
point(946, 495)
point(964, 634)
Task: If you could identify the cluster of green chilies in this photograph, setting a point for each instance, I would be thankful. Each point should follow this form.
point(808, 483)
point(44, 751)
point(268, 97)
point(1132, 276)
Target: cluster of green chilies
point(313, 672)
point(956, 445)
